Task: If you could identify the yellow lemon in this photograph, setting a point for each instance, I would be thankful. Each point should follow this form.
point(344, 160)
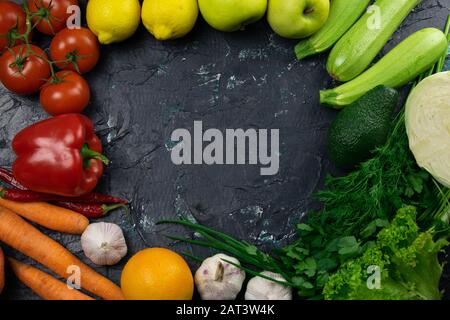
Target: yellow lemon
point(113, 20)
point(169, 19)
point(157, 274)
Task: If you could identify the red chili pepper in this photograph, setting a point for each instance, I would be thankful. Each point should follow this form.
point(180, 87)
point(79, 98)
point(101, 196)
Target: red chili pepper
point(94, 197)
point(24, 195)
point(31, 196)
point(8, 177)
point(90, 210)
point(60, 155)
point(21, 195)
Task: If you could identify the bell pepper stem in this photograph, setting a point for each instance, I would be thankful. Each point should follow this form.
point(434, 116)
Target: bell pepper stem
point(88, 154)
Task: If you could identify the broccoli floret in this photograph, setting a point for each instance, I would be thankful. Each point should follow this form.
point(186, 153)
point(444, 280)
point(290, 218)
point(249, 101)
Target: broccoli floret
point(403, 265)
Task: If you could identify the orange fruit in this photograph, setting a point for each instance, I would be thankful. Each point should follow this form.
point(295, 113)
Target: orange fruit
point(157, 274)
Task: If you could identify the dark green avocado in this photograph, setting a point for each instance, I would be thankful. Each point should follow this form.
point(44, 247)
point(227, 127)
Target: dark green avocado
point(361, 127)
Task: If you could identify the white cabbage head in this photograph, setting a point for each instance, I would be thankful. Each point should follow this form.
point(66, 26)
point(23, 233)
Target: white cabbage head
point(427, 118)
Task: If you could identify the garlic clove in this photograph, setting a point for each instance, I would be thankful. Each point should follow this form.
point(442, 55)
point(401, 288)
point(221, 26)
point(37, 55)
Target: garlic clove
point(217, 279)
point(103, 243)
point(259, 288)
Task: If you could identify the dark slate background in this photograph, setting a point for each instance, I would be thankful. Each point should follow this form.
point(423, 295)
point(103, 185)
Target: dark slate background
point(143, 89)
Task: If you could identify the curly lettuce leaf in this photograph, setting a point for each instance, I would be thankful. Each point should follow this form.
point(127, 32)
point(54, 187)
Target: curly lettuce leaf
point(403, 262)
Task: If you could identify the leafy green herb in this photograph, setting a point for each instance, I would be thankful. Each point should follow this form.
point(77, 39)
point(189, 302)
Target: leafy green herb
point(357, 206)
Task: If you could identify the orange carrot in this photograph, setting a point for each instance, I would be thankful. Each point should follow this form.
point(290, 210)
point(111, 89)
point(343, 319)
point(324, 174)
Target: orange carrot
point(2, 270)
point(22, 236)
point(49, 216)
point(43, 284)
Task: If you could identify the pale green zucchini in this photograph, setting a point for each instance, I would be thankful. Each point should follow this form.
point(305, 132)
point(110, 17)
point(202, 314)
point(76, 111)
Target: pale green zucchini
point(354, 52)
point(342, 16)
point(405, 62)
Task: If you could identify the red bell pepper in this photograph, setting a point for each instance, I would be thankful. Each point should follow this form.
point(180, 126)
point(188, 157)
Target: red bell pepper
point(60, 155)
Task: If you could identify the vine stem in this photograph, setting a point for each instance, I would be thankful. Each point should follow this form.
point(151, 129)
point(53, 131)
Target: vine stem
point(29, 51)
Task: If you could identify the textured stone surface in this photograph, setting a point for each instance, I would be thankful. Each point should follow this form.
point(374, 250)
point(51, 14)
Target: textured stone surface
point(143, 89)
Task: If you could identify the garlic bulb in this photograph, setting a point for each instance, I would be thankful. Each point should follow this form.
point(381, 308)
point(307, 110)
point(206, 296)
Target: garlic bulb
point(217, 279)
point(104, 243)
point(259, 288)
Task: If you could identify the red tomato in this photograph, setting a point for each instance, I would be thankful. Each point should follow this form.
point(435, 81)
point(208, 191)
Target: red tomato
point(70, 94)
point(12, 24)
point(51, 14)
point(23, 72)
point(80, 46)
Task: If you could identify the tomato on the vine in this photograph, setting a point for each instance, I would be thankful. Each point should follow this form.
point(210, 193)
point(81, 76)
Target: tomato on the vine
point(79, 47)
point(50, 16)
point(12, 24)
point(67, 92)
point(23, 70)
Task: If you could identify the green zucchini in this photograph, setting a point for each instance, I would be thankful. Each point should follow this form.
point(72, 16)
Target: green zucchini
point(405, 62)
point(342, 16)
point(354, 52)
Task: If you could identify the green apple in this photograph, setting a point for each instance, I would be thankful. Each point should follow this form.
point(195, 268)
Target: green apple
point(295, 19)
point(232, 15)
